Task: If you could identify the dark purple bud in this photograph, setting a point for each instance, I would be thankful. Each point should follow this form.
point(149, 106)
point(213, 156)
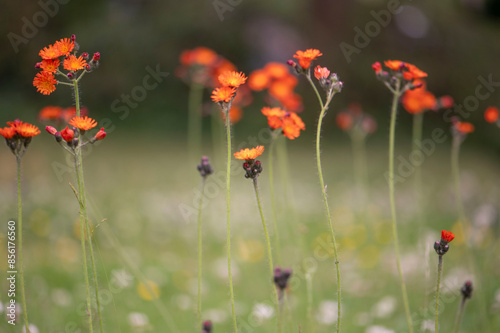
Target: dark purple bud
point(73, 38)
point(70, 76)
point(85, 55)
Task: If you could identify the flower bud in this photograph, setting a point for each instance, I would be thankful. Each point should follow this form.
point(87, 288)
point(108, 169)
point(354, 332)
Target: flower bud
point(96, 56)
point(67, 134)
point(85, 55)
point(38, 65)
point(101, 134)
point(73, 37)
point(70, 76)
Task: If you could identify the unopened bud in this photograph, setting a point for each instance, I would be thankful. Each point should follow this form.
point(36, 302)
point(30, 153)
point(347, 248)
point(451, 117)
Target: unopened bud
point(51, 130)
point(96, 56)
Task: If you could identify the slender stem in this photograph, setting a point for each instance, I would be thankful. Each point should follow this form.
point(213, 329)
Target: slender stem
point(83, 211)
point(20, 245)
point(436, 313)
point(459, 315)
point(200, 251)
point(309, 288)
point(228, 201)
point(396, 95)
point(320, 100)
point(194, 119)
point(269, 252)
point(455, 169)
point(84, 254)
point(273, 200)
point(418, 119)
point(324, 107)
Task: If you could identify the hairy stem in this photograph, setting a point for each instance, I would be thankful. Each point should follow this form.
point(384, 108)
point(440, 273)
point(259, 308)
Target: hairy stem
point(436, 313)
point(273, 200)
point(200, 251)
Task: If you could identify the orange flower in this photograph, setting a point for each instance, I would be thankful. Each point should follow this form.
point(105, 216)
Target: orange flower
point(70, 112)
point(321, 72)
point(45, 83)
point(223, 94)
point(413, 73)
point(8, 132)
point(27, 130)
point(274, 122)
point(50, 65)
point(258, 80)
point(395, 65)
point(232, 79)
point(290, 128)
point(249, 154)
point(273, 112)
point(292, 102)
point(64, 46)
point(344, 121)
point(84, 123)
point(276, 70)
point(50, 113)
point(280, 89)
point(463, 127)
point(235, 115)
point(49, 52)
point(447, 236)
point(418, 100)
point(297, 120)
point(73, 63)
point(491, 114)
point(67, 134)
point(305, 57)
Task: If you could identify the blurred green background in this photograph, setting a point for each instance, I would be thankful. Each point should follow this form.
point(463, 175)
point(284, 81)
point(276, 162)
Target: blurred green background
point(139, 177)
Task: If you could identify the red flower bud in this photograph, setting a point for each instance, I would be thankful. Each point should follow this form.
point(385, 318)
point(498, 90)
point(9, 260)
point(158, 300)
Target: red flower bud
point(67, 134)
point(101, 134)
point(73, 38)
point(85, 55)
point(377, 67)
point(51, 130)
point(96, 56)
point(38, 65)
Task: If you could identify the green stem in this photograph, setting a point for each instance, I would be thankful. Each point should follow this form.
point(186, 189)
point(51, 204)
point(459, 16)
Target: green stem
point(228, 201)
point(83, 209)
point(396, 95)
point(455, 152)
point(436, 313)
point(273, 199)
point(309, 302)
point(194, 119)
point(20, 237)
point(459, 315)
point(269, 252)
point(324, 107)
point(200, 252)
point(84, 253)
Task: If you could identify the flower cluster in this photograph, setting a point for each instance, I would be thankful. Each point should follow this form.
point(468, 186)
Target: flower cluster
point(442, 246)
point(18, 136)
point(59, 114)
point(66, 49)
point(229, 81)
point(252, 167)
point(491, 115)
point(289, 123)
point(355, 121)
point(280, 84)
point(419, 99)
point(460, 129)
point(73, 135)
point(399, 71)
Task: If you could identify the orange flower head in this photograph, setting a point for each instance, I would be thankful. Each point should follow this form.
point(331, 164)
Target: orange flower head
point(306, 57)
point(395, 65)
point(83, 123)
point(276, 70)
point(223, 94)
point(50, 65)
point(290, 128)
point(292, 102)
point(26, 130)
point(418, 100)
point(8, 132)
point(73, 63)
point(49, 52)
point(447, 236)
point(463, 127)
point(45, 83)
point(413, 72)
point(50, 113)
point(274, 122)
point(64, 46)
point(204, 56)
point(259, 80)
point(232, 79)
point(297, 120)
point(321, 72)
point(273, 112)
point(249, 154)
point(280, 89)
point(491, 114)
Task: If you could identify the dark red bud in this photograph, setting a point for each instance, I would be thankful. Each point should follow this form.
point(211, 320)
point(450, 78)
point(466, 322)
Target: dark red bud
point(38, 65)
point(96, 56)
point(73, 38)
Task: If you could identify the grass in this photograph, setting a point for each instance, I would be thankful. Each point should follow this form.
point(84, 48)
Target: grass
point(138, 186)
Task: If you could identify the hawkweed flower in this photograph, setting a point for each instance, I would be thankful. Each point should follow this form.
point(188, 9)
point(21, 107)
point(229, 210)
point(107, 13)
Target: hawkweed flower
point(72, 139)
point(441, 248)
point(253, 168)
point(281, 278)
point(400, 77)
point(206, 327)
point(18, 136)
point(205, 169)
point(280, 121)
point(491, 115)
point(331, 85)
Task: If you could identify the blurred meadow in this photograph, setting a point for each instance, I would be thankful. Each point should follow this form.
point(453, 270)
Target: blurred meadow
point(143, 187)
